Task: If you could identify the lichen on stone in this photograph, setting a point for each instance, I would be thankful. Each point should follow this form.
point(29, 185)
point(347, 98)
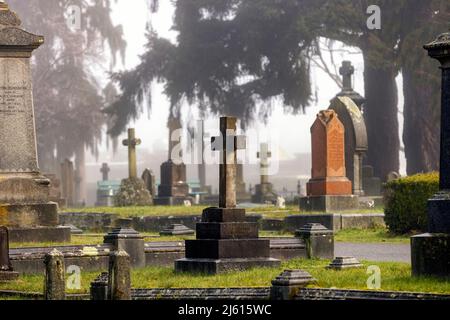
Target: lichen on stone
point(133, 193)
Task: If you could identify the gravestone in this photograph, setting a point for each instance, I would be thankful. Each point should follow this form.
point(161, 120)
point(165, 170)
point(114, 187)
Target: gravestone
point(242, 195)
point(341, 263)
point(149, 181)
point(347, 71)
point(430, 252)
point(204, 189)
point(356, 143)
point(132, 190)
point(173, 189)
point(54, 280)
point(177, 230)
point(264, 191)
point(24, 191)
point(68, 182)
point(393, 176)
point(105, 171)
point(372, 185)
point(225, 240)
point(55, 190)
point(6, 271)
point(328, 189)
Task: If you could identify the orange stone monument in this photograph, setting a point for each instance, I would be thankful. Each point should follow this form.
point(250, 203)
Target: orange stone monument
point(329, 189)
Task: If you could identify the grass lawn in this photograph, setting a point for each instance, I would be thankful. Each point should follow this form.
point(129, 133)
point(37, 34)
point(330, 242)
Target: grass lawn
point(268, 212)
point(370, 236)
point(394, 277)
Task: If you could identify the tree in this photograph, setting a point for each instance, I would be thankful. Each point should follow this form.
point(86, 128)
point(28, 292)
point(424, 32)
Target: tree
point(233, 54)
point(68, 96)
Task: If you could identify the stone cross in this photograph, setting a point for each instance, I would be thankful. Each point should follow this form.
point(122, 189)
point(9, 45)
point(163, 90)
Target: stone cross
point(105, 172)
point(347, 71)
point(131, 143)
point(228, 144)
point(264, 155)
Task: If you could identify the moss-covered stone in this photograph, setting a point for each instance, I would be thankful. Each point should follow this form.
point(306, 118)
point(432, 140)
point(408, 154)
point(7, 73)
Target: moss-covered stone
point(133, 193)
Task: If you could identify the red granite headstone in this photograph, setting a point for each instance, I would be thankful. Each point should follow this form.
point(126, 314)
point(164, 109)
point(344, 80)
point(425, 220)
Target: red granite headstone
point(328, 175)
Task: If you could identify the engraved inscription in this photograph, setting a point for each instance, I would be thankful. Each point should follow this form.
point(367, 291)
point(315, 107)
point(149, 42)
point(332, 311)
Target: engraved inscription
point(335, 150)
point(12, 100)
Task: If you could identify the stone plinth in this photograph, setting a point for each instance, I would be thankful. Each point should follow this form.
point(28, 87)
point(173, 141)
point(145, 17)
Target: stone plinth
point(341, 263)
point(318, 239)
point(130, 241)
point(225, 242)
point(177, 230)
point(430, 253)
point(329, 188)
point(24, 192)
point(133, 192)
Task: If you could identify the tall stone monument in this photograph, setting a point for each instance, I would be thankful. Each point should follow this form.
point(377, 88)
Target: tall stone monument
point(264, 191)
point(356, 143)
point(430, 252)
point(328, 189)
point(24, 193)
point(68, 182)
point(225, 240)
point(173, 189)
point(132, 190)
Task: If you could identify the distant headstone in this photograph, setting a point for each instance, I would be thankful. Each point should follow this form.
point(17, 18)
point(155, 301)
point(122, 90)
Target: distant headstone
point(287, 285)
point(24, 191)
point(328, 189)
point(6, 271)
point(176, 230)
point(393, 176)
point(225, 240)
point(371, 184)
point(356, 143)
point(241, 188)
point(340, 263)
point(264, 191)
point(430, 252)
point(173, 189)
point(105, 171)
point(132, 190)
point(124, 237)
point(68, 182)
point(281, 203)
point(347, 71)
point(55, 190)
point(149, 181)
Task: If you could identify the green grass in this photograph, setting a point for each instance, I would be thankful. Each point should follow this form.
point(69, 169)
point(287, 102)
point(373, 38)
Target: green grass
point(394, 277)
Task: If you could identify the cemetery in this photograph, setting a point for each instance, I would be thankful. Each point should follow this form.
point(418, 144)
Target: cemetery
point(319, 202)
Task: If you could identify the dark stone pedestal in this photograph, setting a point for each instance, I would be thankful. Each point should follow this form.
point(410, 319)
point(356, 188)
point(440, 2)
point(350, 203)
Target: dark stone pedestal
point(439, 213)
point(130, 241)
point(329, 203)
point(430, 255)
point(319, 241)
point(225, 242)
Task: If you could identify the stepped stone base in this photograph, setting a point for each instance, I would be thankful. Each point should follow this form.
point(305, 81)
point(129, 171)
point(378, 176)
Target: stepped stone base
point(215, 266)
point(329, 203)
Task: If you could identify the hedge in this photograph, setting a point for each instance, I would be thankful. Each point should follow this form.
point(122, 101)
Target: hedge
point(406, 200)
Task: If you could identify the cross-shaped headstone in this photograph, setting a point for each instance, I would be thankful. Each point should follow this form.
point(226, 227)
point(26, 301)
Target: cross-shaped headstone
point(347, 71)
point(131, 143)
point(105, 172)
point(228, 144)
point(264, 154)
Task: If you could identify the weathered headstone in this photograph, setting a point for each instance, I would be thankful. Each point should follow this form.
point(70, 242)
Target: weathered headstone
point(319, 241)
point(24, 192)
point(54, 283)
point(177, 230)
point(132, 190)
point(55, 190)
point(287, 285)
point(119, 276)
point(105, 171)
point(68, 182)
point(430, 252)
point(356, 143)
point(202, 163)
point(173, 189)
point(341, 263)
point(328, 189)
point(393, 176)
point(225, 240)
point(264, 191)
point(126, 238)
point(6, 271)
point(372, 185)
point(149, 181)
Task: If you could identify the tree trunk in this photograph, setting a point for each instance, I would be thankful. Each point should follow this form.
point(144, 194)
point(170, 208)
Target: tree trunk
point(421, 128)
point(381, 115)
